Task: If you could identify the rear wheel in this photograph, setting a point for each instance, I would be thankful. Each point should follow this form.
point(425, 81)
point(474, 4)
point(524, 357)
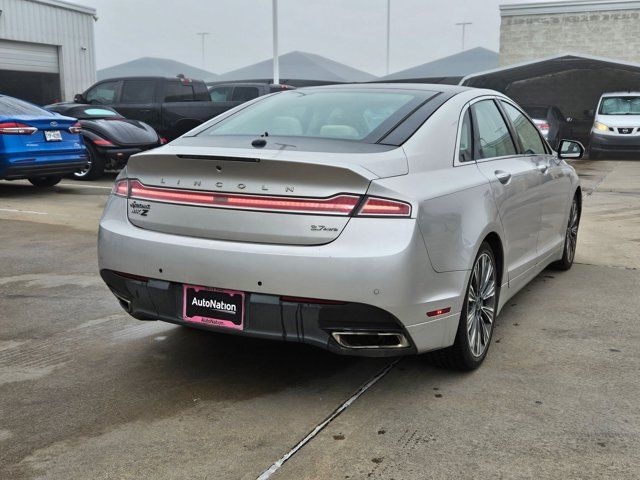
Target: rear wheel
point(44, 181)
point(570, 239)
point(94, 168)
point(475, 328)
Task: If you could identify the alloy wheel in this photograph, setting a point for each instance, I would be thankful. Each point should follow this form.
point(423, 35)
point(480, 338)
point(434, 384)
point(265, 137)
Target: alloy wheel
point(572, 232)
point(481, 304)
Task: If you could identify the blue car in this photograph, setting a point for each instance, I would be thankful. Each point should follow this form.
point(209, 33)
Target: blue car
point(38, 145)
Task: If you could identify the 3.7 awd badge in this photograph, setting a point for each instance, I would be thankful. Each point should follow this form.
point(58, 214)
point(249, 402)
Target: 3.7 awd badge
point(138, 208)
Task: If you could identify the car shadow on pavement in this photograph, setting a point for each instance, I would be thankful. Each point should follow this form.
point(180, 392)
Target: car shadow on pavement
point(246, 367)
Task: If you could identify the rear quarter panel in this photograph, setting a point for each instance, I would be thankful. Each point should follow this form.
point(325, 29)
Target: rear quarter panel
point(455, 212)
point(456, 208)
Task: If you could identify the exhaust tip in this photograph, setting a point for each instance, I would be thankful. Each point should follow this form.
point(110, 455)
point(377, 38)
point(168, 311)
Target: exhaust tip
point(357, 340)
point(124, 303)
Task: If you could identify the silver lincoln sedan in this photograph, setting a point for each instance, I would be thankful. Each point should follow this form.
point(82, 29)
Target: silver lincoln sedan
point(364, 219)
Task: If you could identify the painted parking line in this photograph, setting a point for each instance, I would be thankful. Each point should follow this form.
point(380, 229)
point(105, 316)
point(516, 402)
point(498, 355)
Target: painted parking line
point(84, 185)
point(15, 210)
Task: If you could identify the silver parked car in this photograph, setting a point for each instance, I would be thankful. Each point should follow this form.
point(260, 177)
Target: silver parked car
point(364, 219)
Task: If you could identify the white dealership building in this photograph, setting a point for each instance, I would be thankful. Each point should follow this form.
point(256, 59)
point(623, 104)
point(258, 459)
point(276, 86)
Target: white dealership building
point(47, 49)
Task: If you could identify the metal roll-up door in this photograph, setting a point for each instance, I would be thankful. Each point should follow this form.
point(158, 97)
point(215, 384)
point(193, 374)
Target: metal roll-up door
point(28, 57)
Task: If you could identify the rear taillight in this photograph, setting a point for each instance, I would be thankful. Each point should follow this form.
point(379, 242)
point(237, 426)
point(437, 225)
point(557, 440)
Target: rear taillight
point(384, 207)
point(163, 141)
point(342, 204)
point(543, 126)
point(75, 128)
point(101, 142)
point(338, 205)
point(14, 128)
point(121, 188)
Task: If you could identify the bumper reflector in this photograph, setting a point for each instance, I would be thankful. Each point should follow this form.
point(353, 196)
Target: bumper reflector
point(133, 276)
point(440, 311)
point(316, 301)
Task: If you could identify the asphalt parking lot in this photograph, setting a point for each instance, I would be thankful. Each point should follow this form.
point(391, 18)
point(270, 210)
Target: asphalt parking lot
point(88, 392)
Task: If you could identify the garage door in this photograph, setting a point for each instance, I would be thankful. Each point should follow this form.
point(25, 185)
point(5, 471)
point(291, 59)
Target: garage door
point(28, 57)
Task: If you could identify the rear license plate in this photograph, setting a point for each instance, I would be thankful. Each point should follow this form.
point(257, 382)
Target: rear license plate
point(52, 135)
point(213, 306)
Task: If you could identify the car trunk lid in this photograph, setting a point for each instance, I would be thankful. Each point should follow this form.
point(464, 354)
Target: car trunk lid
point(37, 143)
point(249, 195)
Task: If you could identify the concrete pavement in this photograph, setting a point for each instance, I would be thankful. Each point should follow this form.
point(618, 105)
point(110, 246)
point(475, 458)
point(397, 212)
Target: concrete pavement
point(88, 392)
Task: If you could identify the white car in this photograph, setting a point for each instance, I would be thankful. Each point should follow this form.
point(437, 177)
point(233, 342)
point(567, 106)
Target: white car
point(616, 127)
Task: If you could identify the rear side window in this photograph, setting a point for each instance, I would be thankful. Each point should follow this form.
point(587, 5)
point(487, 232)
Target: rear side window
point(179, 92)
point(138, 91)
point(492, 137)
point(220, 94)
point(12, 106)
point(244, 94)
point(103, 93)
point(466, 139)
point(527, 132)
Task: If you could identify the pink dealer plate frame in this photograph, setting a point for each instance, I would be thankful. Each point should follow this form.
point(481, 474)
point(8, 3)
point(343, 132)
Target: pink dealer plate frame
point(208, 320)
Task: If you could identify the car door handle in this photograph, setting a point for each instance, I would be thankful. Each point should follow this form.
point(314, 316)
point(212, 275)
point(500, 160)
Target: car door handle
point(543, 168)
point(502, 176)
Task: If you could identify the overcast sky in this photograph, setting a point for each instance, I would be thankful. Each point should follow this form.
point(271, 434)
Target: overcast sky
point(348, 31)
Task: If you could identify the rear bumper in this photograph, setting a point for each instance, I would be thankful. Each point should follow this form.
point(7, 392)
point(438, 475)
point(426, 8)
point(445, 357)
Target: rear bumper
point(18, 165)
point(266, 316)
point(20, 170)
point(378, 263)
point(615, 143)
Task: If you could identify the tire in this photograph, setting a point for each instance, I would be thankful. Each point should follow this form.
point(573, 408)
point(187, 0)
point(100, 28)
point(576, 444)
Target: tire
point(570, 238)
point(95, 166)
point(594, 155)
point(43, 182)
point(478, 316)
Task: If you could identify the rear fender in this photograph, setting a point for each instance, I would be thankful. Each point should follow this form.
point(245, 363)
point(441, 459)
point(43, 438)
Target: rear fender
point(455, 213)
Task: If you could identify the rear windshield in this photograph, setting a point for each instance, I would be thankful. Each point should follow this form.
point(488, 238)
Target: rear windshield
point(620, 106)
point(12, 106)
point(362, 115)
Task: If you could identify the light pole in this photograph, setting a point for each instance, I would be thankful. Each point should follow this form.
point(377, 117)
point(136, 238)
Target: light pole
point(276, 60)
point(203, 35)
point(388, 33)
point(464, 28)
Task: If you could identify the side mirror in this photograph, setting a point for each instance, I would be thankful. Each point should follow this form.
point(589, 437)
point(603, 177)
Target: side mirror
point(590, 113)
point(570, 150)
point(78, 98)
